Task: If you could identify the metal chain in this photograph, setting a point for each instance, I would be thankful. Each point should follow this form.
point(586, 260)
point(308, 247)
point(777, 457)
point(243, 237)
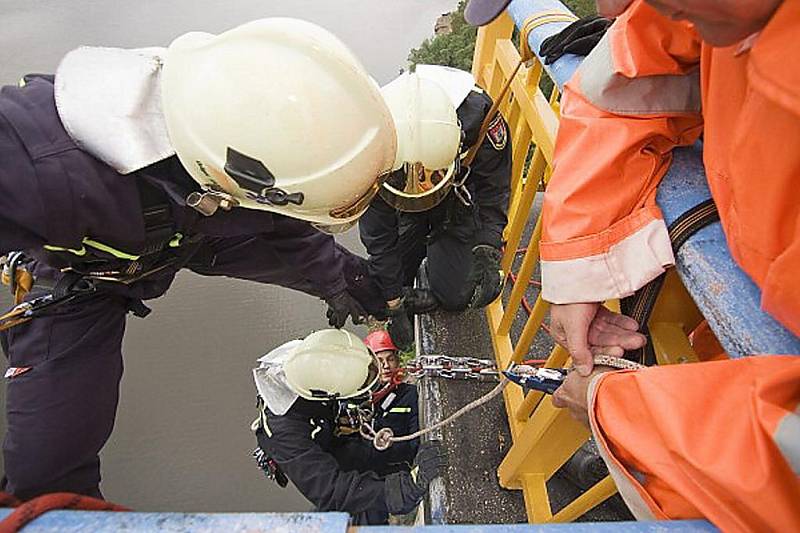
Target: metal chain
point(450, 367)
point(464, 368)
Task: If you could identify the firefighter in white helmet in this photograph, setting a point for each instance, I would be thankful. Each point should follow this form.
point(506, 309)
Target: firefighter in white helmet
point(445, 200)
point(216, 154)
point(303, 387)
point(278, 115)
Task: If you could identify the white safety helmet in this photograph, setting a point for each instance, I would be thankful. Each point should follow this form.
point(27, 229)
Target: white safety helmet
point(428, 141)
point(331, 364)
point(278, 115)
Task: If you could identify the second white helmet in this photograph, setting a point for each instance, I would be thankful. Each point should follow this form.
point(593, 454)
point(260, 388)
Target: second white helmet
point(279, 115)
point(428, 141)
point(331, 364)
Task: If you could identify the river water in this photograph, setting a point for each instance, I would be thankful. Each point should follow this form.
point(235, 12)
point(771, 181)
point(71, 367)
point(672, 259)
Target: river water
point(181, 441)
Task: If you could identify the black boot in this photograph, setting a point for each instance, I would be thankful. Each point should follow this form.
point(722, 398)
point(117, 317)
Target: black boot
point(419, 301)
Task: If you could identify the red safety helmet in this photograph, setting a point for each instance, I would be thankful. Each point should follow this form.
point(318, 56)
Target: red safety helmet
point(379, 340)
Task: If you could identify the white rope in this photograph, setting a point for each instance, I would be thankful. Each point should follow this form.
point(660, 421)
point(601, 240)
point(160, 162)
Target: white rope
point(385, 437)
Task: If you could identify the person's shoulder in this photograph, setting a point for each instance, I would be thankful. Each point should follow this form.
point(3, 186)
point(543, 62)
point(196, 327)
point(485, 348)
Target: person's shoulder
point(471, 113)
point(407, 391)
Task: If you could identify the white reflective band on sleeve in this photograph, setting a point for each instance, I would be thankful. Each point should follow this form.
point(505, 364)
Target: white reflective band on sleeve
point(617, 273)
point(787, 438)
point(647, 95)
point(625, 483)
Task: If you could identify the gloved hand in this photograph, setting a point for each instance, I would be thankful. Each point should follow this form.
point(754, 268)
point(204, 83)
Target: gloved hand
point(578, 38)
point(429, 463)
point(342, 305)
point(485, 277)
point(405, 490)
point(400, 328)
point(419, 301)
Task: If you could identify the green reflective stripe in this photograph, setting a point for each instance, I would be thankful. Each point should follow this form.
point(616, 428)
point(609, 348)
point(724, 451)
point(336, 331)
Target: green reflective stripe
point(52, 248)
point(176, 240)
point(400, 410)
point(109, 250)
point(22, 82)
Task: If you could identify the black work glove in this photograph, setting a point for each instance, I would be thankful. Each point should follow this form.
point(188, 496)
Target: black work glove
point(342, 305)
point(485, 277)
point(400, 328)
point(578, 38)
point(419, 301)
point(405, 490)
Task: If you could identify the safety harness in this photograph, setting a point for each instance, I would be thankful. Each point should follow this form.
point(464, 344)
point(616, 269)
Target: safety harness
point(640, 305)
point(94, 266)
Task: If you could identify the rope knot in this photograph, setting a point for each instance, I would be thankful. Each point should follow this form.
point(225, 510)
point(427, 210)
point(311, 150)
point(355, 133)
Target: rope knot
point(383, 439)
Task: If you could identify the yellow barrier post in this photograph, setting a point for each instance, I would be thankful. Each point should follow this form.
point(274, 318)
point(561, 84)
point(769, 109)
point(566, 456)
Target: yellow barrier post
point(544, 437)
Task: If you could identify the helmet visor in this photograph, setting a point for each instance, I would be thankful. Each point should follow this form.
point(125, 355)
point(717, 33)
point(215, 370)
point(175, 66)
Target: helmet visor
point(414, 179)
point(357, 207)
point(413, 188)
point(334, 229)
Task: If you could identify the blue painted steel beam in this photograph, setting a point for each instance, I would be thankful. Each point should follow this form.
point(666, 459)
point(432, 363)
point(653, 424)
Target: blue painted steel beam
point(109, 522)
point(726, 296)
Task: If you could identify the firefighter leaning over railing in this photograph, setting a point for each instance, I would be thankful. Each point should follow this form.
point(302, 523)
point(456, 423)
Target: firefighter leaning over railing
point(101, 167)
point(719, 439)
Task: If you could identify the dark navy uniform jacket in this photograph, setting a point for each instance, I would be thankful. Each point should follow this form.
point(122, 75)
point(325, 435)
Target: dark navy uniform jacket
point(345, 473)
point(302, 443)
point(488, 183)
point(54, 193)
point(399, 411)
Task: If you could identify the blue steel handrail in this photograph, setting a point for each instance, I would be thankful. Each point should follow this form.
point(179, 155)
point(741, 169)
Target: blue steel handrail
point(726, 296)
point(106, 522)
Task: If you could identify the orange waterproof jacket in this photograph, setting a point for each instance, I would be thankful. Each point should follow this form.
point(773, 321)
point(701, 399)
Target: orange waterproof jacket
point(637, 96)
point(719, 440)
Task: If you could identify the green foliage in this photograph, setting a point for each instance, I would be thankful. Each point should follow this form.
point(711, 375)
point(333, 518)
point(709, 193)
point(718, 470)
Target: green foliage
point(453, 49)
point(581, 7)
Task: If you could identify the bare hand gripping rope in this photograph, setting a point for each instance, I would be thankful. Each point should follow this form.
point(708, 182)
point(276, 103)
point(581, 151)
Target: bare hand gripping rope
point(384, 438)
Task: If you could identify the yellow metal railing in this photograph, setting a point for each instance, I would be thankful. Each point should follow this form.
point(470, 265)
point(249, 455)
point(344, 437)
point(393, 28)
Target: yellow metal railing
point(545, 437)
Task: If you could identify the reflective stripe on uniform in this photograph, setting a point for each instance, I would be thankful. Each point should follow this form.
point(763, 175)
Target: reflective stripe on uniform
point(79, 252)
point(316, 429)
point(400, 410)
point(175, 242)
point(787, 439)
point(119, 254)
point(646, 95)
